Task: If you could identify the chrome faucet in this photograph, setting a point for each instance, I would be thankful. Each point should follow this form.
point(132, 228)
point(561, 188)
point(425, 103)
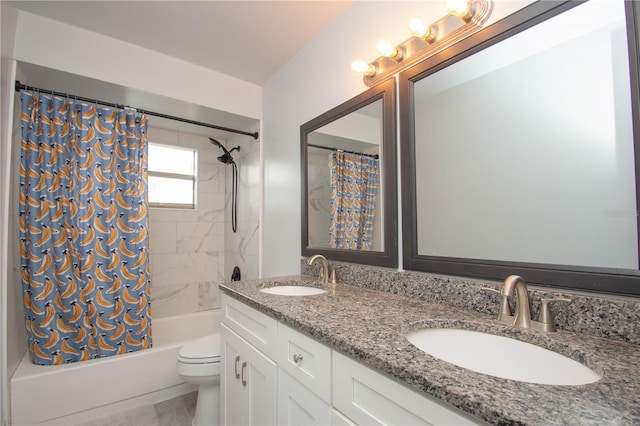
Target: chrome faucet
point(522, 317)
point(328, 272)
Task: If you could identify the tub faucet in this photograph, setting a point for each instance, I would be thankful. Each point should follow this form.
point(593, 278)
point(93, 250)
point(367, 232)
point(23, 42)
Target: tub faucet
point(522, 317)
point(327, 273)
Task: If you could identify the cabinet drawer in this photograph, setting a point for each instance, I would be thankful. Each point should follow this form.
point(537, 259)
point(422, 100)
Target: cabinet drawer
point(255, 327)
point(307, 360)
point(367, 397)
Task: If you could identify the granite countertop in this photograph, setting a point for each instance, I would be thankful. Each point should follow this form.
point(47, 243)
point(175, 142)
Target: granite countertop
point(370, 326)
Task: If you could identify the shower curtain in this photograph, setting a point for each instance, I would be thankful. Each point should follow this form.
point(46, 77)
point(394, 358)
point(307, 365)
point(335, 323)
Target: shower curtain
point(83, 230)
point(354, 193)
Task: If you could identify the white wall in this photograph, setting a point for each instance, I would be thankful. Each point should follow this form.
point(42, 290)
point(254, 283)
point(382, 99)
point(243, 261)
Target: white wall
point(316, 80)
point(16, 333)
point(8, 17)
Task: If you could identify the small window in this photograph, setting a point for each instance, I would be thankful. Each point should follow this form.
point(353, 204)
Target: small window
point(172, 176)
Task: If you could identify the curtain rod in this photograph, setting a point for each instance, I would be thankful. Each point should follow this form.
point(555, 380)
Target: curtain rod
point(343, 150)
point(20, 86)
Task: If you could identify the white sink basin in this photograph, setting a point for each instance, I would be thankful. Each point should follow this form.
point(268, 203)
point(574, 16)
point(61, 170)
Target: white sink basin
point(293, 290)
point(501, 357)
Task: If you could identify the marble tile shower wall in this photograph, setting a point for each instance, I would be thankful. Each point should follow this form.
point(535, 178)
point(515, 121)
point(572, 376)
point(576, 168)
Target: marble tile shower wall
point(242, 246)
point(319, 181)
point(187, 246)
point(601, 315)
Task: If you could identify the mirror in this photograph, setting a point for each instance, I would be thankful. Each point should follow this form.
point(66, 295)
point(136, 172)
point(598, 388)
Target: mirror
point(521, 151)
point(348, 180)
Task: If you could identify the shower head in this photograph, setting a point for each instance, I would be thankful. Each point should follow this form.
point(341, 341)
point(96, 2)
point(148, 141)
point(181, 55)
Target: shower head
point(219, 145)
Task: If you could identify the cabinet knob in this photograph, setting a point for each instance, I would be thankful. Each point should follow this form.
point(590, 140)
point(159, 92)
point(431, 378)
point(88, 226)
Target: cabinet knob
point(297, 358)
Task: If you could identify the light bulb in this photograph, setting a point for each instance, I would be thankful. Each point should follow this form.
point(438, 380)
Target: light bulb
point(419, 29)
point(459, 8)
point(361, 67)
point(385, 48)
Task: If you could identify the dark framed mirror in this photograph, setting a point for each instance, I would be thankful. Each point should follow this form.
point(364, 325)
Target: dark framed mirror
point(348, 169)
point(519, 150)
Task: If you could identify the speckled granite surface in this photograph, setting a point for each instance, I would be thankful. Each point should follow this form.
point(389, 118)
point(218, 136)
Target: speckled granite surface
point(601, 315)
point(370, 326)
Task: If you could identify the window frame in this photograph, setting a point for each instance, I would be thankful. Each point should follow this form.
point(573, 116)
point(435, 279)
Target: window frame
point(178, 176)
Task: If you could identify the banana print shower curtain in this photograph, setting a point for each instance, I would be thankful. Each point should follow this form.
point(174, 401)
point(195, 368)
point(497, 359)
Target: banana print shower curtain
point(354, 194)
point(83, 230)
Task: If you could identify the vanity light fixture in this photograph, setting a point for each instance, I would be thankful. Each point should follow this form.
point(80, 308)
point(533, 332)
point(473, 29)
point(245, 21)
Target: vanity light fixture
point(463, 18)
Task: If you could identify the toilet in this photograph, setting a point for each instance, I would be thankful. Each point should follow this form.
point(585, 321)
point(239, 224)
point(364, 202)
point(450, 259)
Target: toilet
point(199, 363)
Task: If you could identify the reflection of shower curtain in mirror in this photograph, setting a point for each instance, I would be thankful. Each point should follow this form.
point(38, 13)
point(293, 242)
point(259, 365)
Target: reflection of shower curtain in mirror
point(83, 230)
point(354, 193)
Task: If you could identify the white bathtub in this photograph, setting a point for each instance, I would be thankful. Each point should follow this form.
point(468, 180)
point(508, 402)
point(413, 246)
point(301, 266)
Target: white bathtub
point(75, 393)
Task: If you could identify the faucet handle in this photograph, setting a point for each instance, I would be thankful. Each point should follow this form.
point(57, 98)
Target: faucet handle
point(332, 274)
point(546, 317)
point(505, 308)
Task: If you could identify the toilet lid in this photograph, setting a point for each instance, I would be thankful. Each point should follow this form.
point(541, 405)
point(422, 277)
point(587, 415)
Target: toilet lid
point(207, 347)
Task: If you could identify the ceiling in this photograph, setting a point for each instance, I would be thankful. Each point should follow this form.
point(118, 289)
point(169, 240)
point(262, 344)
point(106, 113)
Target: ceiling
point(249, 40)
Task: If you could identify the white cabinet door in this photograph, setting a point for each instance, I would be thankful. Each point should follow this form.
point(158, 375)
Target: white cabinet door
point(298, 406)
point(234, 403)
point(248, 383)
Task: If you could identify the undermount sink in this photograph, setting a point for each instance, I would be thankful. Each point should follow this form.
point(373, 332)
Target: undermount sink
point(501, 357)
point(293, 290)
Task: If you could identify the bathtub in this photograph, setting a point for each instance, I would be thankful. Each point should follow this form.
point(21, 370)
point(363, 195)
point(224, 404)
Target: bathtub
point(75, 393)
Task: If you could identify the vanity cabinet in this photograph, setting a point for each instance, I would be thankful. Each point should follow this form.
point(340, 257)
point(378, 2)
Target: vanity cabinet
point(292, 379)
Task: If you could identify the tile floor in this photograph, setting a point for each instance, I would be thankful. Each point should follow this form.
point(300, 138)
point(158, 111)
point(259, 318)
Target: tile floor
point(174, 412)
